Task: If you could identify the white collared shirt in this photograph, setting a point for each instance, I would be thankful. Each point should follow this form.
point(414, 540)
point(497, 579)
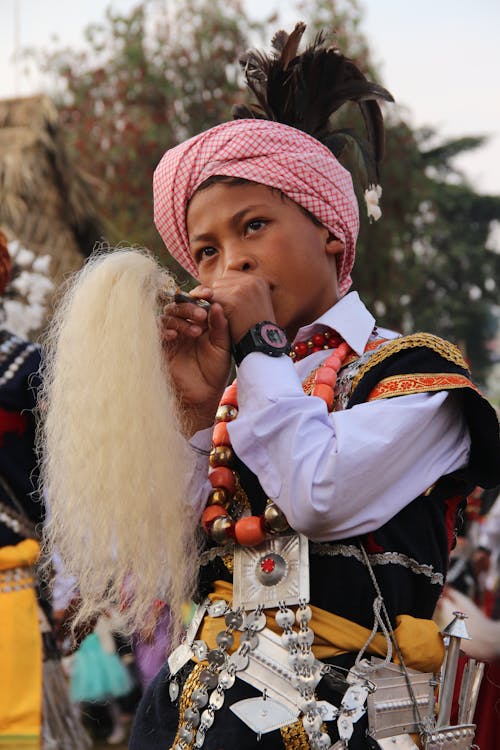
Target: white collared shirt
point(345, 473)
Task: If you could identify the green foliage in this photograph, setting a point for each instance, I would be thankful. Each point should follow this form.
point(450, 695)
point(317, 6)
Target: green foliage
point(147, 81)
point(426, 264)
point(150, 79)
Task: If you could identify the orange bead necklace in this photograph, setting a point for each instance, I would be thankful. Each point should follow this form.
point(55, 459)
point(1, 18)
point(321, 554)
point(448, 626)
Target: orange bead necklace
point(216, 519)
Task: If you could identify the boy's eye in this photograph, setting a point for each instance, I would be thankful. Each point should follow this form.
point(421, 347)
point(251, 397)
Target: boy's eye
point(254, 225)
point(204, 252)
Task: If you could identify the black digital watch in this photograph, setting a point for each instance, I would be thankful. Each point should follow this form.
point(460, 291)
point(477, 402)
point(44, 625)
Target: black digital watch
point(265, 337)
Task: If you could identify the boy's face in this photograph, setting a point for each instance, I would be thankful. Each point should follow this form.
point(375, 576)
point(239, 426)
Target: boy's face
point(252, 229)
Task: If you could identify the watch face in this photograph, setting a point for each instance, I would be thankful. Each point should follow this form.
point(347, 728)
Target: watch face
point(273, 335)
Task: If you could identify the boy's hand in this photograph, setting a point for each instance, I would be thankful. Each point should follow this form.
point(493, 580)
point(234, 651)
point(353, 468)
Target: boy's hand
point(197, 351)
point(245, 299)
point(197, 344)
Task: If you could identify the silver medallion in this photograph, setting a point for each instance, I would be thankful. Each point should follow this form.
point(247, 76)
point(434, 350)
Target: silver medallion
point(226, 679)
point(275, 571)
point(263, 714)
point(255, 621)
point(271, 569)
point(217, 699)
point(238, 661)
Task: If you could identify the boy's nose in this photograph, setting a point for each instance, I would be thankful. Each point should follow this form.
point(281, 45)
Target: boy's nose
point(239, 261)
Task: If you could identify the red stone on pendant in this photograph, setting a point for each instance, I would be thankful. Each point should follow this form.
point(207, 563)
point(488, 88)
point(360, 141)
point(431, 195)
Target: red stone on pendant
point(267, 565)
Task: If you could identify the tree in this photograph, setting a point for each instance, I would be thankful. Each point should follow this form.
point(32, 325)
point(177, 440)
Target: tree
point(148, 80)
point(427, 264)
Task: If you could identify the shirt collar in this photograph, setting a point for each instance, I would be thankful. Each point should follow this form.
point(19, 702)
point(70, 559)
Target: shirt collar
point(349, 317)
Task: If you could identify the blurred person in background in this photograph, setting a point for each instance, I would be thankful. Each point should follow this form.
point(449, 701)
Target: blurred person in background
point(34, 703)
point(486, 558)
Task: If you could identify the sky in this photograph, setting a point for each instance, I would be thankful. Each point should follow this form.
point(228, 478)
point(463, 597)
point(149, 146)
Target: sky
point(439, 58)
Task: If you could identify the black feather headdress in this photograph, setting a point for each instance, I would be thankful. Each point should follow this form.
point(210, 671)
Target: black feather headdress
point(305, 90)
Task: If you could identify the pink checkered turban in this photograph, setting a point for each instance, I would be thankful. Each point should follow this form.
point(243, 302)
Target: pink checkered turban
point(265, 152)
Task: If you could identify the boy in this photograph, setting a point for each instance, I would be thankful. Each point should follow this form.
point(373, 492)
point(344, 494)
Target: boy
point(371, 469)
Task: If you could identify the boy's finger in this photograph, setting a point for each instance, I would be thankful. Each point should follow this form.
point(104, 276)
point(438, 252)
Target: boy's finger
point(186, 310)
point(218, 327)
point(172, 326)
point(202, 292)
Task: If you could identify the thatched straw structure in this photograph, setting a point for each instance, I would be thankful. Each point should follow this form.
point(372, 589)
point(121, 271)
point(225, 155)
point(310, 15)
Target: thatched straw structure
point(47, 203)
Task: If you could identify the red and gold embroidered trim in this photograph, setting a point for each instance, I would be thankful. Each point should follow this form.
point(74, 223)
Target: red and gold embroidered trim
point(404, 385)
point(440, 346)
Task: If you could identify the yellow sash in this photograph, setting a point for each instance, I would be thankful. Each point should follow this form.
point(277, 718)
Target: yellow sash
point(419, 640)
point(20, 648)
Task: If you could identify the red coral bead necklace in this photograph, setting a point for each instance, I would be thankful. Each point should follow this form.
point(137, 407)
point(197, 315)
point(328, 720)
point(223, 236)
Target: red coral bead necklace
point(216, 519)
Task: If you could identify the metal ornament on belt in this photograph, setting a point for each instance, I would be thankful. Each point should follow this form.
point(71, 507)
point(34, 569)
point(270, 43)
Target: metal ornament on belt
point(275, 571)
point(263, 714)
point(458, 737)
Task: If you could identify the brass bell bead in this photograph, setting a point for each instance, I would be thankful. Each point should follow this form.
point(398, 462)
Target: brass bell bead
point(274, 520)
point(221, 529)
point(221, 455)
point(219, 496)
point(226, 413)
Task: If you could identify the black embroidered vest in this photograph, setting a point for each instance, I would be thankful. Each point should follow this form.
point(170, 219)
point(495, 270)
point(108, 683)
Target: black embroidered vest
point(409, 553)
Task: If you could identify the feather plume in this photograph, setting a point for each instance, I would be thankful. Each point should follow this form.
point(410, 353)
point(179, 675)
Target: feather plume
point(305, 90)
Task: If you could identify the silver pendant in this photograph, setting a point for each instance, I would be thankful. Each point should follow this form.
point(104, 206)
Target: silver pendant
point(327, 711)
point(179, 656)
point(184, 652)
point(263, 714)
point(272, 572)
point(268, 670)
point(173, 690)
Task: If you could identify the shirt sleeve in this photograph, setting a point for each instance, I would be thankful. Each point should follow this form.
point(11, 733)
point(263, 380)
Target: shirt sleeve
point(199, 486)
point(345, 473)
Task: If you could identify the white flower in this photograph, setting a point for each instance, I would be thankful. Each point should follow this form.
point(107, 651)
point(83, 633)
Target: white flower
point(15, 317)
point(34, 316)
point(25, 257)
point(40, 287)
point(23, 282)
point(42, 264)
point(13, 247)
point(25, 314)
point(372, 195)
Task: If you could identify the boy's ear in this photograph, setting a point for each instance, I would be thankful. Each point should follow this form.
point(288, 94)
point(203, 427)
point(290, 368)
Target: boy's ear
point(333, 245)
